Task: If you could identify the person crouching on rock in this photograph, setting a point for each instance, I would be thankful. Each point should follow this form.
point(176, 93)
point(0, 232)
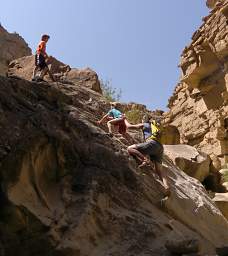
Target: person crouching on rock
point(151, 149)
point(40, 60)
point(116, 118)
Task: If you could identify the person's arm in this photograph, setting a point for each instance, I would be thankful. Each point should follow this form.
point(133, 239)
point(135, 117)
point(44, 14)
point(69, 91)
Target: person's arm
point(134, 126)
point(102, 119)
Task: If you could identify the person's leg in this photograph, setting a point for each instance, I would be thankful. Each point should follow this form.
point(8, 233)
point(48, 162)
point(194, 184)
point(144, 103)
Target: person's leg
point(132, 150)
point(163, 177)
point(43, 72)
point(36, 68)
point(34, 72)
point(109, 124)
point(43, 66)
point(113, 122)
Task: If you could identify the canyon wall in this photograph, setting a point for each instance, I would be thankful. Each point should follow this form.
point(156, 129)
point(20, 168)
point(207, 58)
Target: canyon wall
point(198, 106)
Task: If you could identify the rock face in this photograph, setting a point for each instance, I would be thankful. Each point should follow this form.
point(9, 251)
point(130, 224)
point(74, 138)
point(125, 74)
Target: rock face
point(12, 46)
point(189, 160)
point(69, 189)
point(23, 67)
point(211, 3)
point(198, 107)
point(221, 199)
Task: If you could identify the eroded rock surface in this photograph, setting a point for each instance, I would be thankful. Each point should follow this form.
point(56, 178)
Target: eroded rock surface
point(12, 46)
point(23, 67)
point(221, 199)
point(69, 189)
point(189, 160)
point(198, 107)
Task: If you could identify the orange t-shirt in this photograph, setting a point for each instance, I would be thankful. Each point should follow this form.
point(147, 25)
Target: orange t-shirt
point(41, 49)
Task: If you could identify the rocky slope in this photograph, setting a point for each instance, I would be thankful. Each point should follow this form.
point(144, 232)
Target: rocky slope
point(198, 107)
point(12, 46)
point(69, 189)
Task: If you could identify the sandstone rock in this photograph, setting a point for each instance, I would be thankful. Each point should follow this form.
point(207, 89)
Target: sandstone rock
point(200, 119)
point(69, 189)
point(211, 3)
point(170, 135)
point(221, 200)
point(23, 67)
point(189, 160)
point(87, 74)
point(12, 46)
point(184, 246)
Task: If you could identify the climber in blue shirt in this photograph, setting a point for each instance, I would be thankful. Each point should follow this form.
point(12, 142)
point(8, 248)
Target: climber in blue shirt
point(113, 112)
point(116, 118)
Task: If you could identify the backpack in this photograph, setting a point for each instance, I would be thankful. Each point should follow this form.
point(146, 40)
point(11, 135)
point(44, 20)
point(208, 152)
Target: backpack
point(156, 130)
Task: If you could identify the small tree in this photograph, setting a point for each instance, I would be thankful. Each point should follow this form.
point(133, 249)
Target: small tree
point(110, 93)
point(134, 116)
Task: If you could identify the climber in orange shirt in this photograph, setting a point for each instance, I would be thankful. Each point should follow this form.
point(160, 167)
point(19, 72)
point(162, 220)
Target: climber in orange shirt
point(40, 60)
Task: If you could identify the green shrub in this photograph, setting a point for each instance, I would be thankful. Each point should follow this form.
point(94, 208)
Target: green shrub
point(134, 116)
point(110, 93)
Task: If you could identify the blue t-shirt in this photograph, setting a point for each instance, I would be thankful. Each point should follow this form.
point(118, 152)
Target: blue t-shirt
point(147, 130)
point(115, 113)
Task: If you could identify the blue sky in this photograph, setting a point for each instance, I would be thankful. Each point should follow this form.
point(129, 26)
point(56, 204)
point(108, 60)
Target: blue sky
point(134, 43)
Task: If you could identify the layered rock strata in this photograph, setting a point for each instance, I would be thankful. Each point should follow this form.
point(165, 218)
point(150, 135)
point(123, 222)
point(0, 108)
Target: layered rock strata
point(198, 107)
point(23, 67)
point(69, 189)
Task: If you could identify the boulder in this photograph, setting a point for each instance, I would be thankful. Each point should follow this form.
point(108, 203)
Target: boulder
point(87, 74)
point(221, 200)
point(23, 67)
point(189, 160)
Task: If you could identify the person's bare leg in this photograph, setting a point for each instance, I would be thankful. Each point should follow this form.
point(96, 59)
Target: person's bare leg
point(109, 124)
point(112, 122)
point(133, 151)
point(163, 177)
point(43, 72)
point(35, 71)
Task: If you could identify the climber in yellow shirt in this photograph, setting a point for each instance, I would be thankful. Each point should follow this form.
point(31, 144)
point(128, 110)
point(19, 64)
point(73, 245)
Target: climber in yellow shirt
point(151, 149)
